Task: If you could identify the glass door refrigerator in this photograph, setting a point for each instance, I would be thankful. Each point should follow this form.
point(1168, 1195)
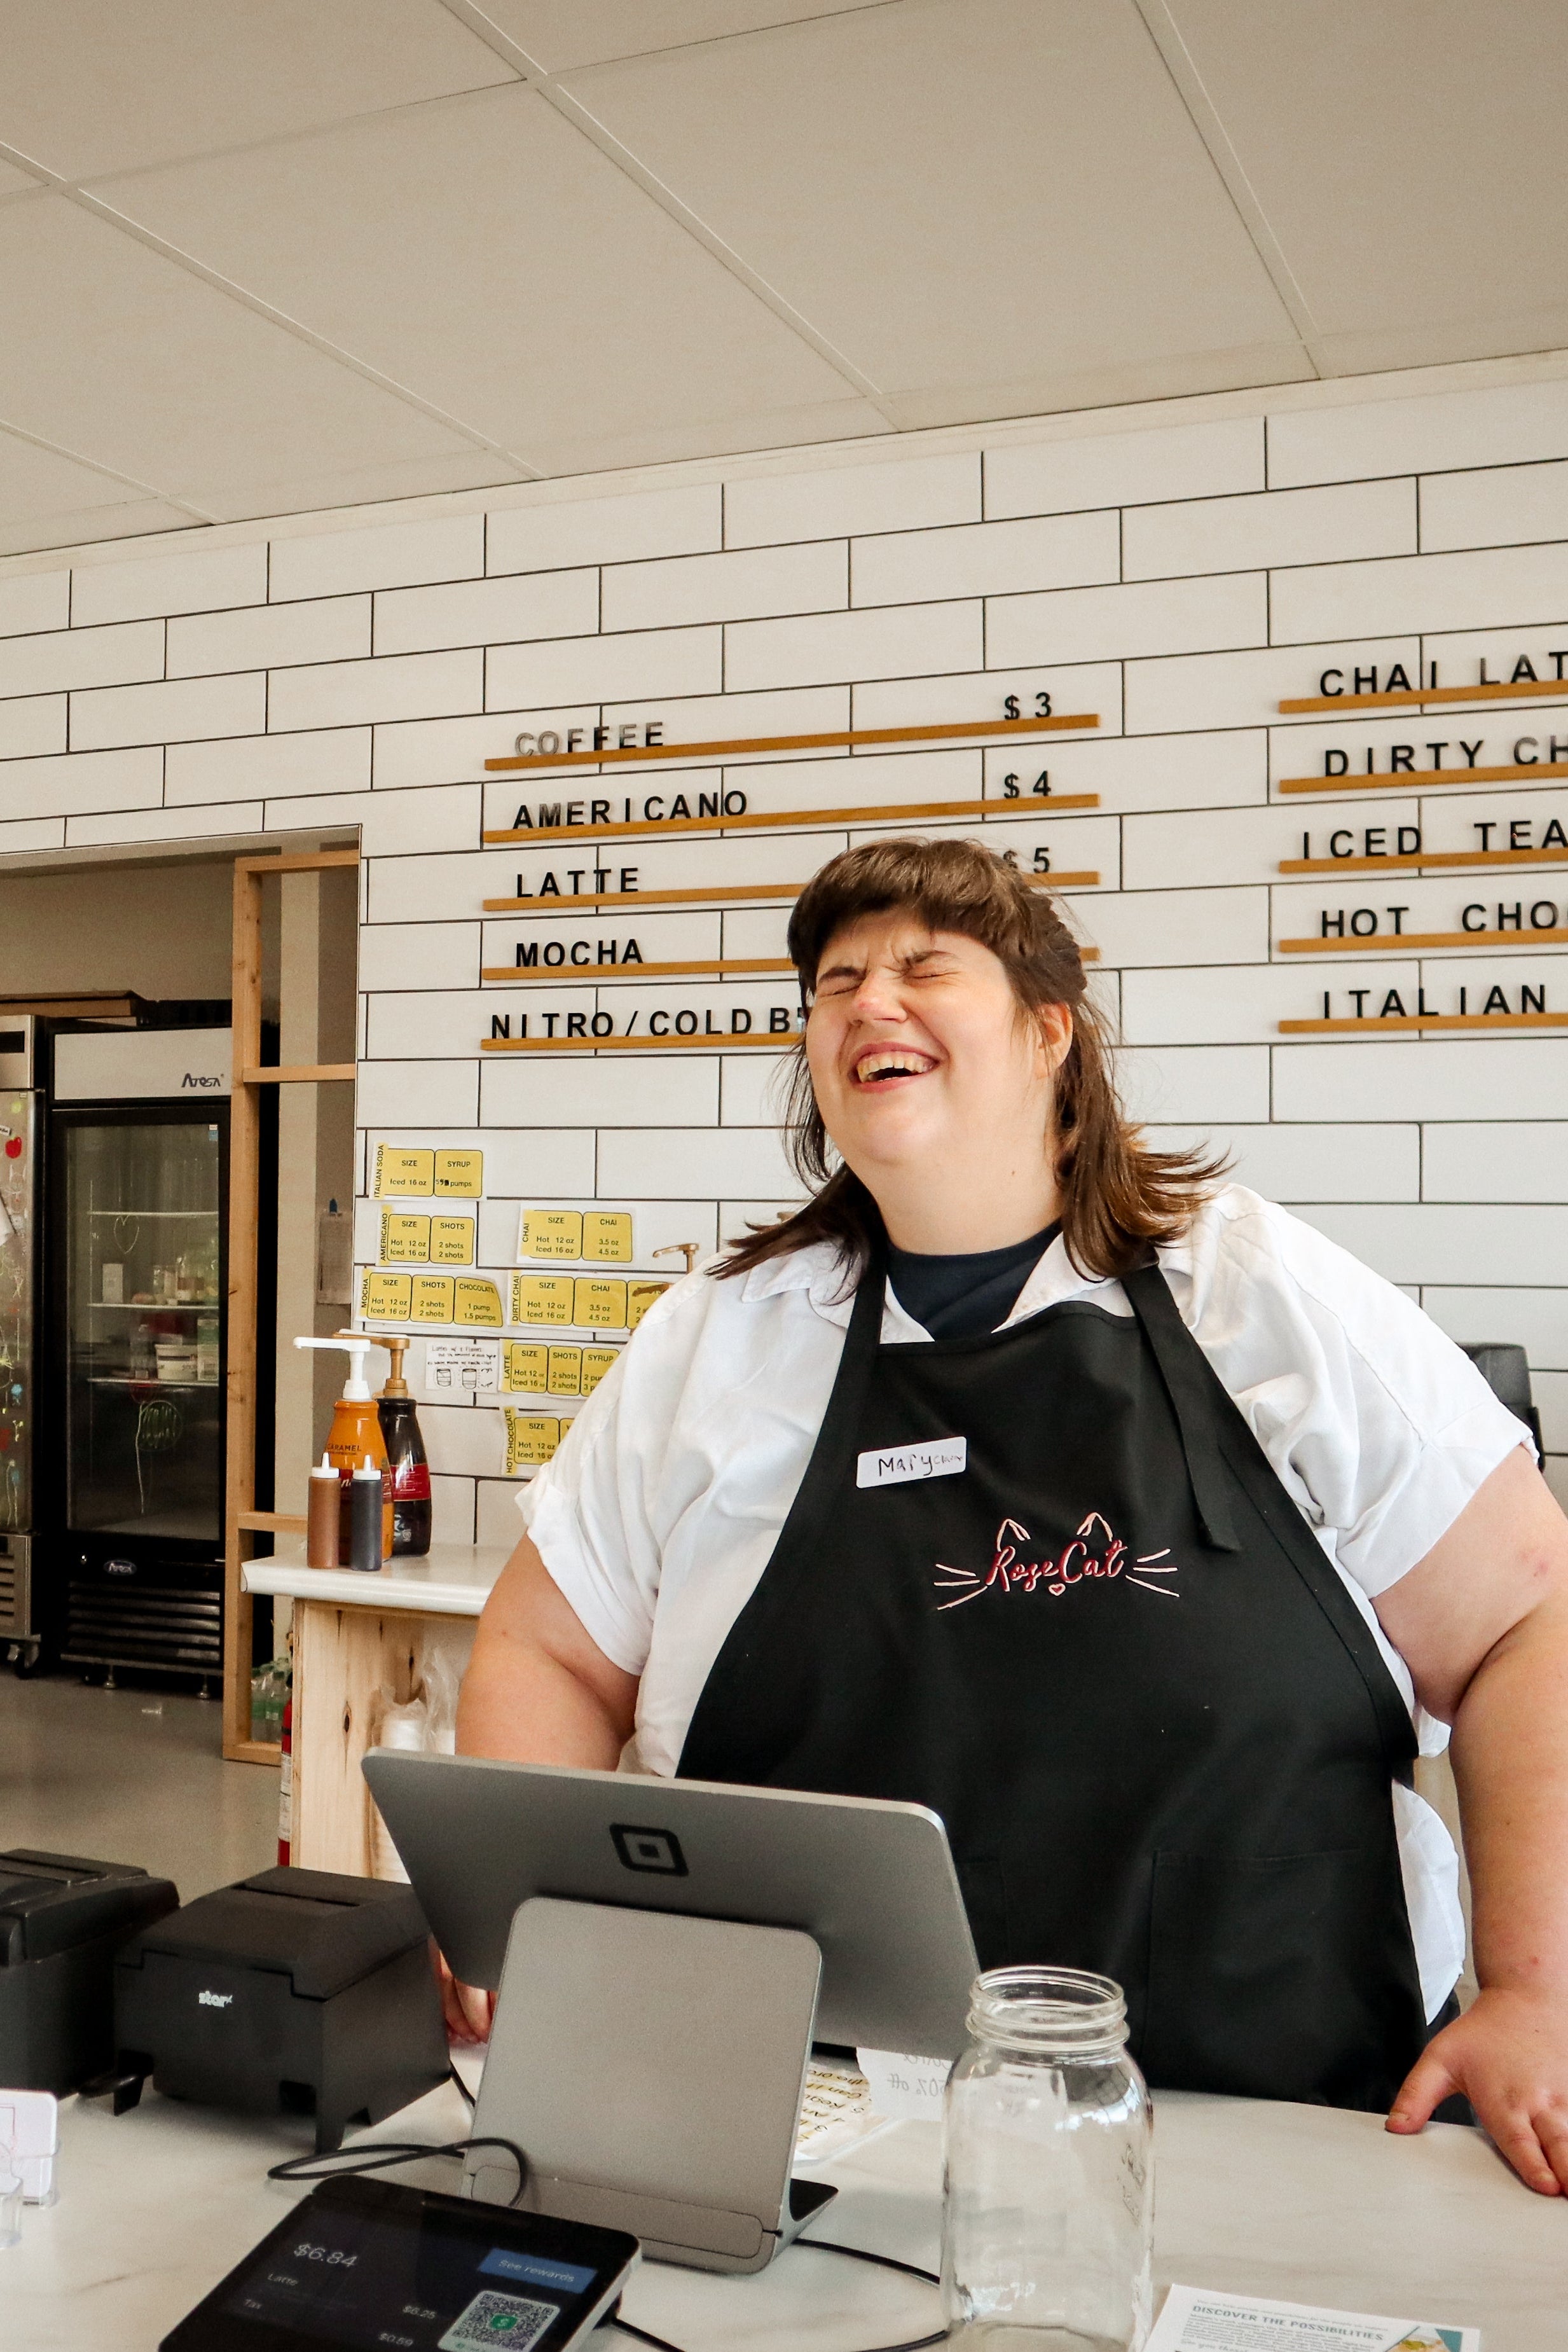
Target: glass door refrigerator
point(19, 1174)
point(136, 1340)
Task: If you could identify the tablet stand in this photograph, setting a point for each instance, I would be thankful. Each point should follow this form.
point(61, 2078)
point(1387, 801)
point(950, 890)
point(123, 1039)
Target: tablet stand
point(651, 2065)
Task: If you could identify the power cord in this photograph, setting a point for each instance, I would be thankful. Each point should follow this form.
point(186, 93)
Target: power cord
point(384, 2155)
point(823, 2246)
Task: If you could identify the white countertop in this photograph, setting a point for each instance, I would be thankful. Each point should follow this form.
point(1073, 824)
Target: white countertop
point(1300, 2203)
point(451, 1580)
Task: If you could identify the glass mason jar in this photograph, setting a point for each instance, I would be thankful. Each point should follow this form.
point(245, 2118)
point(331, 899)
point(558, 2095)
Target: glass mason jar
point(1048, 2190)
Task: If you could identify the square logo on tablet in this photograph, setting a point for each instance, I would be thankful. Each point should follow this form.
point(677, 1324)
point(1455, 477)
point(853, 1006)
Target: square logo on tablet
point(655, 1850)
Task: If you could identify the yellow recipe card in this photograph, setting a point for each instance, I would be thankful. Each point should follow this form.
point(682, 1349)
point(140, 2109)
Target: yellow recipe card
point(477, 1300)
point(550, 1232)
point(596, 1362)
point(532, 1438)
point(451, 1241)
point(406, 1240)
point(526, 1368)
point(541, 1299)
point(566, 1372)
point(433, 1300)
point(596, 1300)
point(460, 1174)
point(607, 1235)
point(385, 1296)
point(400, 1171)
point(641, 1296)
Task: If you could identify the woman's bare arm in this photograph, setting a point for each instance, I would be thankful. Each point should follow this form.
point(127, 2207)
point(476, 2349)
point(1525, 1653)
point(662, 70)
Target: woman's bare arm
point(538, 1690)
point(1482, 1623)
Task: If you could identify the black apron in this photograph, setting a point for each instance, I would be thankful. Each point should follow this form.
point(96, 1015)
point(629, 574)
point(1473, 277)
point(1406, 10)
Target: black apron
point(1112, 1656)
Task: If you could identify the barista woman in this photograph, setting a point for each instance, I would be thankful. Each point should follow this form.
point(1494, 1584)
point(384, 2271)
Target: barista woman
point(1107, 1510)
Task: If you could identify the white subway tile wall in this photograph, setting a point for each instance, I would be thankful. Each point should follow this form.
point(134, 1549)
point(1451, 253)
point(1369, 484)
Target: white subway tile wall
point(1176, 579)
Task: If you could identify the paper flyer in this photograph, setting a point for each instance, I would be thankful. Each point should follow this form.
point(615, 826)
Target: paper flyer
point(1196, 2320)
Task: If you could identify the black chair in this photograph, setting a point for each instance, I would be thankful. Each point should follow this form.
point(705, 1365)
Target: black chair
point(1505, 1368)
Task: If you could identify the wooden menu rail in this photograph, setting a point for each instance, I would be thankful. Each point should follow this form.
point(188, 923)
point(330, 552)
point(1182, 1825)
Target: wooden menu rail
point(1385, 943)
point(962, 730)
point(724, 968)
point(1554, 689)
point(717, 1040)
point(1402, 1021)
point(242, 1522)
point(1421, 778)
point(300, 1074)
point(792, 820)
point(718, 895)
point(1443, 859)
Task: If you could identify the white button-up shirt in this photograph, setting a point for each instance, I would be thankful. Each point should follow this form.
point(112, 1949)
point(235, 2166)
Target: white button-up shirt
point(662, 1508)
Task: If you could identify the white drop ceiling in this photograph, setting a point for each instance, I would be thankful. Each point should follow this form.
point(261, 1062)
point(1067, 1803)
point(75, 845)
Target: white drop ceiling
point(260, 257)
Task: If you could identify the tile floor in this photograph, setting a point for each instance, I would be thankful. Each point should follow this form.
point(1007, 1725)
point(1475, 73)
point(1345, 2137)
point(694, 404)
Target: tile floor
point(130, 1776)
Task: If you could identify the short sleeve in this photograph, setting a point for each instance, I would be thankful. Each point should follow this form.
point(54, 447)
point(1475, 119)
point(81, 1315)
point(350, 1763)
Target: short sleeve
point(1379, 1426)
point(590, 1510)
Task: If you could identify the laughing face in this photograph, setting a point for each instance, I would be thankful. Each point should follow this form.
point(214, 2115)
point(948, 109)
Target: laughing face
point(926, 1068)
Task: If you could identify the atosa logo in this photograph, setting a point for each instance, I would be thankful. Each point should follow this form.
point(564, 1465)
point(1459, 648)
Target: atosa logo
point(1095, 1555)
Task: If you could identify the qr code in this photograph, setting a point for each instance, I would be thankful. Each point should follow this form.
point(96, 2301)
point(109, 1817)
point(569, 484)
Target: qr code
point(513, 2320)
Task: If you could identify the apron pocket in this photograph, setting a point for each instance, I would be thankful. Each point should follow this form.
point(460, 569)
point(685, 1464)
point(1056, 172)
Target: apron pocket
point(1280, 1977)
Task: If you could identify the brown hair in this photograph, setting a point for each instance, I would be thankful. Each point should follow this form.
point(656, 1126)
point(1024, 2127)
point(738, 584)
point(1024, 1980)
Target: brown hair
point(1118, 1196)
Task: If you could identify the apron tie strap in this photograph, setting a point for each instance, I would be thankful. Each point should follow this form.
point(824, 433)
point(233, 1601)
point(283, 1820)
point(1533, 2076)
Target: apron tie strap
point(1176, 1354)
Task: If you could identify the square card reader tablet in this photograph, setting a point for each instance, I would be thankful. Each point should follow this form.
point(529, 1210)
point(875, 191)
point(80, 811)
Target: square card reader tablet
point(364, 2263)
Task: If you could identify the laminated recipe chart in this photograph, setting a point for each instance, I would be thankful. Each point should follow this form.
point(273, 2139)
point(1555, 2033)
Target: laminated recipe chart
point(1195, 2320)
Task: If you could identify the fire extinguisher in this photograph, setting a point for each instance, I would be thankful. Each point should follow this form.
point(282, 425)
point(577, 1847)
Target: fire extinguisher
point(286, 1788)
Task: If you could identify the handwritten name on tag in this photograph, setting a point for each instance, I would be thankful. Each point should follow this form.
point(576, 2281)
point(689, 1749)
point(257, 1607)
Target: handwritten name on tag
point(899, 1465)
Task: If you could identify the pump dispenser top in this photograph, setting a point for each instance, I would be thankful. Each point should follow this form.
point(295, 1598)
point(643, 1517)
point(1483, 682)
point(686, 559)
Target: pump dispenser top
point(356, 1387)
point(355, 1434)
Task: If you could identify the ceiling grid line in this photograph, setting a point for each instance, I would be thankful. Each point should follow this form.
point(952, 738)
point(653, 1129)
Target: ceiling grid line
point(73, 193)
point(1182, 67)
point(582, 119)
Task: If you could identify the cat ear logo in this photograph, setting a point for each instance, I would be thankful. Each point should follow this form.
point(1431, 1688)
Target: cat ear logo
point(1096, 1555)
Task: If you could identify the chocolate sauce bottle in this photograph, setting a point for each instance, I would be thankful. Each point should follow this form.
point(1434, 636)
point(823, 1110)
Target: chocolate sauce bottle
point(405, 1458)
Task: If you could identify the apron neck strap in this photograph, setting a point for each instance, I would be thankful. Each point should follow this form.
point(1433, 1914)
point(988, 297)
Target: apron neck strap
point(1181, 1366)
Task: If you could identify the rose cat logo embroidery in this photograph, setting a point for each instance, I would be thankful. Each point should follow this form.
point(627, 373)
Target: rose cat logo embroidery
point(1095, 1554)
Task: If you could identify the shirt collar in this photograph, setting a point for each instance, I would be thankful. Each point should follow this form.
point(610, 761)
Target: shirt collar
point(818, 1270)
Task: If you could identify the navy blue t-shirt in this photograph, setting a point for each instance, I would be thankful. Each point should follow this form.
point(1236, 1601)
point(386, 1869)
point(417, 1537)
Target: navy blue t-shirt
point(957, 1297)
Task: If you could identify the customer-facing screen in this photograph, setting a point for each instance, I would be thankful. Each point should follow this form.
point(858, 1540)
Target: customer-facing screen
point(415, 2274)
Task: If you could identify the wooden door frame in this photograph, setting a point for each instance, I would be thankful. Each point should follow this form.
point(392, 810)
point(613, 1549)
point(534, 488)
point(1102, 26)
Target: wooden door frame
point(242, 1522)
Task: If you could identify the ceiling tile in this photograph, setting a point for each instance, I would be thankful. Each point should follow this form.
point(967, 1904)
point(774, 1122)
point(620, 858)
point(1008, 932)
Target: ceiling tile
point(34, 481)
point(962, 191)
point(1408, 157)
point(13, 181)
point(560, 34)
point(486, 253)
point(95, 86)
point(132, 360)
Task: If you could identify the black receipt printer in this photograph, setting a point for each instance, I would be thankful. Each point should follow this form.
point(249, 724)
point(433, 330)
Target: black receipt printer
point(296, 1992)
point(62, 1920)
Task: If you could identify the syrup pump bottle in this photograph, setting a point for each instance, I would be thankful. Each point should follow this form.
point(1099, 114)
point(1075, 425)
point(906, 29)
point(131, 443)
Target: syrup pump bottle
point(355, 1434)
point(406, 1457)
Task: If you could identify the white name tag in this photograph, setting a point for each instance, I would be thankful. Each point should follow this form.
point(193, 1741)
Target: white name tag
point(898, 1465)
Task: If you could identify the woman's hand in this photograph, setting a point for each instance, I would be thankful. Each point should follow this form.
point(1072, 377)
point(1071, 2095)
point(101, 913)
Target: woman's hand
point(468, 2009)
point(1509, 2056)
point(1482, 1623)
